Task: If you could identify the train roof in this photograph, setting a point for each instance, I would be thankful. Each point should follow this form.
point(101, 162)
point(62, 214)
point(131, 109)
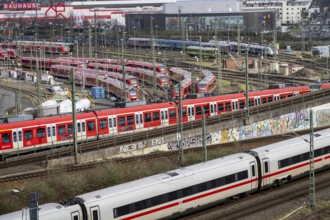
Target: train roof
point(208, 76)
point(296, 142)
point(45, 120)
point(168, 177)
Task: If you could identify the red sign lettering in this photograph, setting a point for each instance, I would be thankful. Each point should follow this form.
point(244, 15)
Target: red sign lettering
point(15, 6)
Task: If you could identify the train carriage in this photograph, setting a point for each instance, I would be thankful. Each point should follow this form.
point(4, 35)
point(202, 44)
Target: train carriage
point(45, 131)
point(174, 193)
point(279, 168)
point(146, 116)
point(207, 84)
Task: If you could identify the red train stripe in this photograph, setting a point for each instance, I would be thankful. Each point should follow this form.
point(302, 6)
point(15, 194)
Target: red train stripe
point(219, 190)
point(151, 211)
point(291, 168)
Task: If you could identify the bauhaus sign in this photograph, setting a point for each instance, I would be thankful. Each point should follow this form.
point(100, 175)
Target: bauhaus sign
point(20, 6)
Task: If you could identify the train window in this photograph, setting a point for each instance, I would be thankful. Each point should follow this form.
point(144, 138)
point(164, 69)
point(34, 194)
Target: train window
point(15, 137)
point(228, 106)
point(147, 117)
point(28, 135)
point(270, 99)
point(206, 109)
point(70, 129)
point(241, 104)
point(242, 175)
point(121, 121)
point(6, 138)
point(53, 130)
point(48, 132)
point(19, 136)
point(172, 114)
point(103, 123)
point(187, 191)
point(327, 150)
point(90, 126)
point(155, 116)
point(95, 214)
point(253, 170)
point(157, 200)
point(61, 129)
point(264, 100)
point(40, 132)
point(318, 152)
point(130, 120)
point(172, 196)
point(230, 179)
point(198, 110)
point(184, 112)
point(140, 205)
point(220, 107)
point(266, 167)
point(201, 187)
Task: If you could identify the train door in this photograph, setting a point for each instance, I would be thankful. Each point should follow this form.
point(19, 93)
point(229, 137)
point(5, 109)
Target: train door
point(112, 124)
point(164, 115)
point(81, 129)
point(254, 174)
point(191, 113)
point(51, 136)
point(17, 138)
point(265, 172)
point(138, 120)
point(234, 104)
point(257, 100)
point(213, 109)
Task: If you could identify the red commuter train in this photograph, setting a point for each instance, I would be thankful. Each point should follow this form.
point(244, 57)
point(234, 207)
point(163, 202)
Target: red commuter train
point(207, 84)
point(57, 130)
point(91, 77)
point(38, 47)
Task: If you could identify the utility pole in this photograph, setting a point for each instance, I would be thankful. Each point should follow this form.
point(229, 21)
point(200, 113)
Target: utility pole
point(200, 55)
point(74, 123)
point(123, 65)
point(311, 164)
point(181, 155)
point(274, 55)
point(38, 84)
point(89, 42)
point(153, 55)
point(246, 87)
point(238, 43)
point(204, 135)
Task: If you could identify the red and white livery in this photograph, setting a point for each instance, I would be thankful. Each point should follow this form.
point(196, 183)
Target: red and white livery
point(193, 188)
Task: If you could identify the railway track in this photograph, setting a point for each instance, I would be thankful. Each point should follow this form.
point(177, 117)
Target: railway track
point(28, 93)
point(252, 205)
point(248, 144)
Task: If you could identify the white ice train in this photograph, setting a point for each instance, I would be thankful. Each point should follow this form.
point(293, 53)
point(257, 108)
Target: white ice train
point(192, 188)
